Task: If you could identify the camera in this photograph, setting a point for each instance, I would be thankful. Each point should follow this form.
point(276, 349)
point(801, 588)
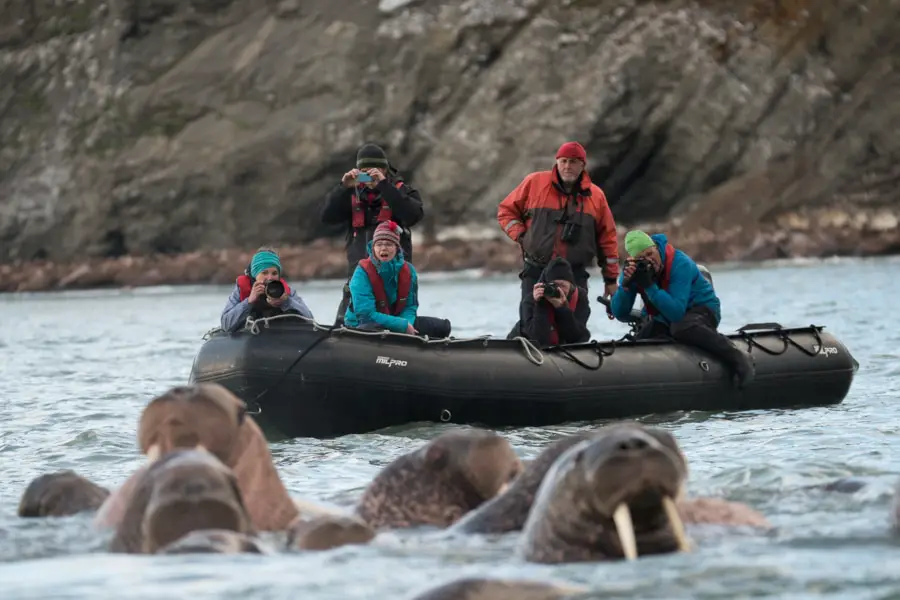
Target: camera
point(364, 178)
point(275, 289)
point(551, 290)
point(570, 233)
point(642, 265)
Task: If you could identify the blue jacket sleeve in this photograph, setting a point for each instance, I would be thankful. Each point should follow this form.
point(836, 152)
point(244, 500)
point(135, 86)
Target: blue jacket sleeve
point(364, 304)
point(235, 312)
point(672, 303)
point(295, 302)
point(622, 301)
point(412, 302)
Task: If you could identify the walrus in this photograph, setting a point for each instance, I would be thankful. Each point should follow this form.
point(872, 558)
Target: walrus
point(438, 483)
point(208, 415)
point(327, 532)
point(477, 588)
point(215, 541)
point(60, 494)
point(183, 491)
point(509, 510)
point(609, 496)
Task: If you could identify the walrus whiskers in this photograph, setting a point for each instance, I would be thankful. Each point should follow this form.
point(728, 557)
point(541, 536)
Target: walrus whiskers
point(625, 529)
point(676, 524)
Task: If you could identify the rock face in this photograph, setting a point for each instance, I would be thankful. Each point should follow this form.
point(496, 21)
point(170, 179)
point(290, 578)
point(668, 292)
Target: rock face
point(760, 127)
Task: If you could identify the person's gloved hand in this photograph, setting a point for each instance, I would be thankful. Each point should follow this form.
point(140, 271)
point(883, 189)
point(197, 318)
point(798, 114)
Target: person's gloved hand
point(643, 279)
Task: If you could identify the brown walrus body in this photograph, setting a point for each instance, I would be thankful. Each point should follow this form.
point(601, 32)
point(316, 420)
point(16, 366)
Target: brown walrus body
point(509, 510)
point(476, 588)
point(183, 491)
point(437, 484)
point(210, 416)
point(329, 531)
point(60, 494)
point(215, 541)
point(607, 497)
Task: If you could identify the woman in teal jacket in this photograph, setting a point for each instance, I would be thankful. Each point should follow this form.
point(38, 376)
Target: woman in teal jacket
point(384, 290)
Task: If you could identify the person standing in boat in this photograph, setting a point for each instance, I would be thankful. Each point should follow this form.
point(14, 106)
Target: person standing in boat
point(252, 295)
point(384, 290)
point(560, 212)
point(678, 300)
point(558, 310)
point(368, 195)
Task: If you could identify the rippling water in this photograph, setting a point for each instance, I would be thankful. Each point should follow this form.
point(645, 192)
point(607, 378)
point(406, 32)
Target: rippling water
point(78, 367)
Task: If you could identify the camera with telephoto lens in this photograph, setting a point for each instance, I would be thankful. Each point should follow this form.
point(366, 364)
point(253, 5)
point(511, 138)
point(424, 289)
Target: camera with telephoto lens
point(275, 289)
point(642, 265)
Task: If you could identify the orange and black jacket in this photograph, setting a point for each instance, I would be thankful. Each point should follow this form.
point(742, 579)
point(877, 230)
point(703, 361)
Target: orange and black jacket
point(404, 203)
point(534, 215)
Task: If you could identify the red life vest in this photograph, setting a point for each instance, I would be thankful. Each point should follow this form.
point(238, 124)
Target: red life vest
point(245, 284)
point(664, 284)
point(404, 282)
point(573, 302)
point(358, 212)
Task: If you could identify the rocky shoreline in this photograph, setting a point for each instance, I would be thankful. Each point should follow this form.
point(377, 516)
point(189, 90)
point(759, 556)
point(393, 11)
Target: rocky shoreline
point(801, 236)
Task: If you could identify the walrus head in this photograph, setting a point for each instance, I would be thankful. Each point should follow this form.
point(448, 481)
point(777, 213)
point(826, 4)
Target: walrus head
point(203, 414)
point(60, 494)
point(441, 481)
point(328, 531)
point(184, 491)
point(609, 496)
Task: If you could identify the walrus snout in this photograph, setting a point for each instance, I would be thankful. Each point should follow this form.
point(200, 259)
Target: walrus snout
point(189, 497)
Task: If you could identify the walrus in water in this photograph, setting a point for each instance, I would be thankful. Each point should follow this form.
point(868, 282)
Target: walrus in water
point(215, 541)
point(477, 588)
point(329, 531)
point(437, 484)
point(183, 491)
point(208, 415)
point(609, 496)
point(60, 494)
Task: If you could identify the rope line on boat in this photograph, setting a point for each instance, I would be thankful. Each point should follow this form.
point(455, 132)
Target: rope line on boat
point(532, 352)
point(783, 335)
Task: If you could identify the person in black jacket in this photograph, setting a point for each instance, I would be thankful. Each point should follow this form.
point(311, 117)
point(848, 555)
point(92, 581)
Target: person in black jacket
point(367, 195)
point(558, 310)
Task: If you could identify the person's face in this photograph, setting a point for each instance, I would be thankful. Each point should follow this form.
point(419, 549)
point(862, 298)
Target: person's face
point(569, 168)
point(267, 275)
point(651, 254)
point(564, 286)
point(384, 250)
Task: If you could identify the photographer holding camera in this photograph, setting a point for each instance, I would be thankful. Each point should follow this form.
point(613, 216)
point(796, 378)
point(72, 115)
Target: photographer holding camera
point(558, 311)
point(561, 213)
point(368, 195)
point(261, 292)
point(678, 300)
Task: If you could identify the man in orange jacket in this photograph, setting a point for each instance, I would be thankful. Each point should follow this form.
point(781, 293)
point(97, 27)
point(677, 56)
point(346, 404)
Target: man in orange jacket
point(562, 213)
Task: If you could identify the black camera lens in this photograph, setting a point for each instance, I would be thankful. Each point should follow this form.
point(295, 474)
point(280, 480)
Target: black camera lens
point(275, 289)
point(551, 290)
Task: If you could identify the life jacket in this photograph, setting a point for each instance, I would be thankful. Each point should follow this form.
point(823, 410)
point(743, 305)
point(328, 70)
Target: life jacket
point(664, 284)
point(404, 282)
point(245, 285)
point(573, 302)
point(358, 210)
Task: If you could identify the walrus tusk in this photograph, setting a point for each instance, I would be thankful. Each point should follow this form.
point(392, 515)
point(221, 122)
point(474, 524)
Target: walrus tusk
point(676, 523)
point(314, 509)
point(625, 529)
point(153, 453)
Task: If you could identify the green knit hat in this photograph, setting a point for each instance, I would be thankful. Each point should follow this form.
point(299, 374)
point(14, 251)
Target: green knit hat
point(636, 242)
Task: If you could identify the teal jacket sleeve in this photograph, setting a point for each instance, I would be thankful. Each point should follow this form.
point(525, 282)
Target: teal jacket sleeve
point(622, 301)
point(672, 303)
point(409, 311)
point(364, 304)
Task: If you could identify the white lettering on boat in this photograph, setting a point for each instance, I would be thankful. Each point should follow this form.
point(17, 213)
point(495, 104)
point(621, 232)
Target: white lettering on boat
point(390, 362)
point(826, 350)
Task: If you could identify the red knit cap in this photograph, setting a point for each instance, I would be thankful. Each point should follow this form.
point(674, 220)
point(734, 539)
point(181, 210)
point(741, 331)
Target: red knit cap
point(387, 230)
point(572, 150)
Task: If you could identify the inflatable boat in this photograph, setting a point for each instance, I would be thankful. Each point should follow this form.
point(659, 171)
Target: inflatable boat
point(300, 378)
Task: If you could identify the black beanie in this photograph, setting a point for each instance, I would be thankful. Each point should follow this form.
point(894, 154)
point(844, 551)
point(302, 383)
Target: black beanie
point(371, 155)
point(559, 268)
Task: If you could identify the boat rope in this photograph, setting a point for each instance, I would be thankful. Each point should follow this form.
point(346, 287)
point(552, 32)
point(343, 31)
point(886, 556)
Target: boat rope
point(783, 334)
point(532, 353)
point(595, 346)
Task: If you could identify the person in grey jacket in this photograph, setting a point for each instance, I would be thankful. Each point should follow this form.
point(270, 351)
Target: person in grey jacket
point(249, 297)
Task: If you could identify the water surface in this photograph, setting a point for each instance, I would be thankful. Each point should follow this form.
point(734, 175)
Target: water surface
point(78, 367)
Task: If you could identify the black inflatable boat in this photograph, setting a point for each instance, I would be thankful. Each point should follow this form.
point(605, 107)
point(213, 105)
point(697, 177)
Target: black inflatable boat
point(303, 379)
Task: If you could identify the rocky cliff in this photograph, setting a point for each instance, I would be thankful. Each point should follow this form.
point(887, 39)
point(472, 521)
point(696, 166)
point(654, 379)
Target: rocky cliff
point(751, 128)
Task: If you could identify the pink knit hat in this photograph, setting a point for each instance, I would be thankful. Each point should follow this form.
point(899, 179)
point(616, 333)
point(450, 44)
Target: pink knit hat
point(387, 230)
